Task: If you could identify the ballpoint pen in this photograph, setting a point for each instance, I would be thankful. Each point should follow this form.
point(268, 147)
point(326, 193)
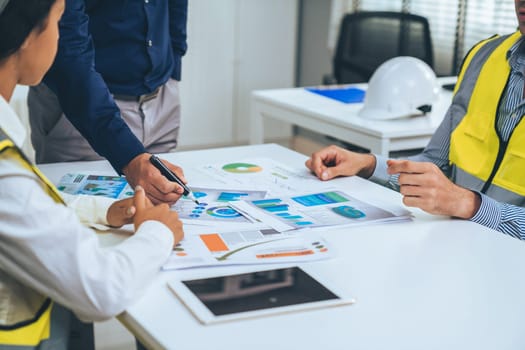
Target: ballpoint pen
point(171, 176)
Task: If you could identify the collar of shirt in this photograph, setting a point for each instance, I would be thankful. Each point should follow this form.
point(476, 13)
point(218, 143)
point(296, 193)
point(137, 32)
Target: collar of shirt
point(516, 56)
point(11, 124)
point(512, 101)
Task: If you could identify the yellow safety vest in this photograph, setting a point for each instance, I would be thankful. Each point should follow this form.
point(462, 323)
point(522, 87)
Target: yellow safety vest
point(32, 331)
point(475, 146)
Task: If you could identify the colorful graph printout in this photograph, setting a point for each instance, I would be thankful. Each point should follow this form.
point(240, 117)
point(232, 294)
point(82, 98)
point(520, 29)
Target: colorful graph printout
point(241, 168)
point(264, 174)
point(349, 212)
point(246, 247)
point(328, 208)
point(213, 205)
point(95, 185)
point(232, 196)
point(222, 212)
point(313, 200)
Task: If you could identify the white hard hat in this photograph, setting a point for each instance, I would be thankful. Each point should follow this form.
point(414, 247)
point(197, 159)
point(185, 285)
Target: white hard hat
point(400, 87)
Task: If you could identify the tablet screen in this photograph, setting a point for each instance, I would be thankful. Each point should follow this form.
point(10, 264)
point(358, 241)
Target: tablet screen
point(260, 290)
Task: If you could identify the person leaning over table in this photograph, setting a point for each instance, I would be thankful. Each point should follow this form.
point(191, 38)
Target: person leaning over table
point(52, 268)
point(474, 165)
point(113, 89)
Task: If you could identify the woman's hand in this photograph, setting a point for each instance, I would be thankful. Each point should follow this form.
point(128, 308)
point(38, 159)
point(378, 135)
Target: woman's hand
point(121, 213)
point(145, 210)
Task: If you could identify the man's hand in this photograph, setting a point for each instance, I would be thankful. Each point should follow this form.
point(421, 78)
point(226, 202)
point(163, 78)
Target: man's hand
point(334, 161)
point(159, 190)
point(145, 210)
point(423, 185)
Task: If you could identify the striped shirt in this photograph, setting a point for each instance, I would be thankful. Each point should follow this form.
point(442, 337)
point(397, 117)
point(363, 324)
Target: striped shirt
point(506, 218)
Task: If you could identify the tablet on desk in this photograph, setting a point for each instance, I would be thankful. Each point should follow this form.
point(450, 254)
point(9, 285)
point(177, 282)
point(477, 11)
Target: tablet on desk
point(259, 293)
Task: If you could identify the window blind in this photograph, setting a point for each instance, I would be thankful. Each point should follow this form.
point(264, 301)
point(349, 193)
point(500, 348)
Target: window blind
point(380, 5)
point(456, 25)
point(442, 17)
point(485, 18)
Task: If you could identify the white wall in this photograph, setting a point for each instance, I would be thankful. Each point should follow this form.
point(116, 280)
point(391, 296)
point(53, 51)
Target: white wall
point(234, 47)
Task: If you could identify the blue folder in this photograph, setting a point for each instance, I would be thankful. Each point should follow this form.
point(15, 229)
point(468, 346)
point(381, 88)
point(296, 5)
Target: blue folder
point(345, 95)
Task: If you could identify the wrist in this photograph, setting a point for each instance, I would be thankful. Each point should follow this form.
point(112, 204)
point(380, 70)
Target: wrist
point(471, 204)
point(125, 155)
point(133, 161)
point(368, 166)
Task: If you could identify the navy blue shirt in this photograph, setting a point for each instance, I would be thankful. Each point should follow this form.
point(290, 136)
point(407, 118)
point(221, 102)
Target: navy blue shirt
point(125, 47)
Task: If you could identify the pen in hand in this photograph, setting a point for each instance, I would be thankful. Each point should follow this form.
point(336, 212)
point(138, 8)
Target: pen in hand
point(171, 176)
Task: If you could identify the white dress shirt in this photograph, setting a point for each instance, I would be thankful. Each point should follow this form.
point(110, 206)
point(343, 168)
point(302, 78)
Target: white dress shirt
point(44, 245)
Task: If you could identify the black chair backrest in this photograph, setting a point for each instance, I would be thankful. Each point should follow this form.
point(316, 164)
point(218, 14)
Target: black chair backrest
point(367, 39)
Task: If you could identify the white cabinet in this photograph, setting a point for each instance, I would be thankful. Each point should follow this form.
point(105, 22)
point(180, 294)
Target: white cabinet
point(235, 46)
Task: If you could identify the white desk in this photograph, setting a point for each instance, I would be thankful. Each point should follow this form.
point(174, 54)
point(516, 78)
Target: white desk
point(326, 116)
point(434, 283)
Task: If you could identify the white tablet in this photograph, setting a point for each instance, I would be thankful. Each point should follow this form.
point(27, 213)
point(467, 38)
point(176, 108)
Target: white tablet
point(230, 297)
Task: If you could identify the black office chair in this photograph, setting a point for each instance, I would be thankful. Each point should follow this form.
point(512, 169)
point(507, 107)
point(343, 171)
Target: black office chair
point(367, 39)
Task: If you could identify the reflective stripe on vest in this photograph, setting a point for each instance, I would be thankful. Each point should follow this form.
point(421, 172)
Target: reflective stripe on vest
point(29, 332)
point(6, 145)
point(474, 144)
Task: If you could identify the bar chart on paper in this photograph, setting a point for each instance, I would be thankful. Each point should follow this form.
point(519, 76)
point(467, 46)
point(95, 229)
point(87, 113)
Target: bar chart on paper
point(327, 208)
point(282, 210)
point(213, 205)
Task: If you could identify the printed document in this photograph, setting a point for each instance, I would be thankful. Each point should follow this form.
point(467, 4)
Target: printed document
point(212, 248)
point(330, 208)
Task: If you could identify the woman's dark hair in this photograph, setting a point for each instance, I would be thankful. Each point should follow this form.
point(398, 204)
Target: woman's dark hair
point(18, 20)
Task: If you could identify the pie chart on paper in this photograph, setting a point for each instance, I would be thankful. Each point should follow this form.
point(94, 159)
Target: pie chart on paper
point(241, 168)
point(223, 212)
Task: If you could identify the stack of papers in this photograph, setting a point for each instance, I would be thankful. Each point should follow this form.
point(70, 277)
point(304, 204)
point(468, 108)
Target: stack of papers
point(269, 223)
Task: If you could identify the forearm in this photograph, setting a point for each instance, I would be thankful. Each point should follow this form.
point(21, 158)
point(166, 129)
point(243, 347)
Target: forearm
point(84, 96)
point(63, 259)
point(89, 209)
point(88, 104)
point(113, 278)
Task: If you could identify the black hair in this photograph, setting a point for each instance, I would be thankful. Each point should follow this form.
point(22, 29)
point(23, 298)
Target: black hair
point(19, 19)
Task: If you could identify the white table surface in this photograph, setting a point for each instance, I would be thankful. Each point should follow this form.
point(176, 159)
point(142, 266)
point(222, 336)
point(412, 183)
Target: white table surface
point(326, 116)
point(432, 283)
